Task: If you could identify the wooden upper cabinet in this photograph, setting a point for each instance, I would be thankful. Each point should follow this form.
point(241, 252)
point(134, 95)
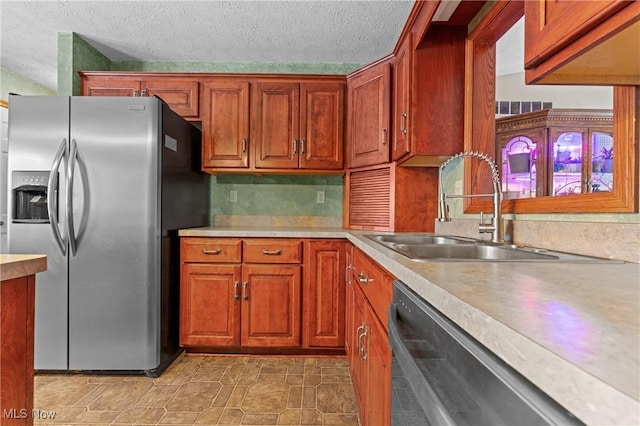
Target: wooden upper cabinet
point(321, 125)
point(180, 92)
point(110, 86)
point(298, 125)
point(368, 123)
point(275, 124)
point(582, 42)
point(402, 72)
point(225, 127)
point(435, 119)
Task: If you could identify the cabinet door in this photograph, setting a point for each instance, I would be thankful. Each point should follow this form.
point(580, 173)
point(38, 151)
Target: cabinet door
point(210, 305)
point(271, 301)
point(275, 125)
point(369, 116)
point(324, 293)
point(356, 360)
point(225, 126)
point(181, 94)
point(321, 125)
point(110, 86)
point(349, 338)
point(378, 359)
point(402, 100)
point(550, 25)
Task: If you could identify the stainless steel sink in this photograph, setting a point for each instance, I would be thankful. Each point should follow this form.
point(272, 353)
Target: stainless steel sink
point(414, 239)
point(469, 252)
point(436, 247)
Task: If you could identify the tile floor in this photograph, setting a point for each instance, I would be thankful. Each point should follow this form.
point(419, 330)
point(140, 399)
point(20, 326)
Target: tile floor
point(205, 390)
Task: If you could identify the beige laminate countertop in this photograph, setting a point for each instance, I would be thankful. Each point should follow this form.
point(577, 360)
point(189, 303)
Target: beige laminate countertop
point(21, 265)
point(573, 329)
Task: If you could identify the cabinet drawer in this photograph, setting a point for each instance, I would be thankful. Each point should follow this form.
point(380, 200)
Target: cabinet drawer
point(376, 284)
point(211, 250)
point(272, 251)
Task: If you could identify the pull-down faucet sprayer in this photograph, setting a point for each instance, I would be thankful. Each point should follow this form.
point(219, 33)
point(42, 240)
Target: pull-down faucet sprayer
point(495, 226)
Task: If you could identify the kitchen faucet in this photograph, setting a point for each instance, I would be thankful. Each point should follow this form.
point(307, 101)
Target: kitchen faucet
point(495, 225)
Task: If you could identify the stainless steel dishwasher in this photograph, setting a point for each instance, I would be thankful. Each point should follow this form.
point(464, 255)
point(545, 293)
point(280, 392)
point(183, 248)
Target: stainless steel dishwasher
point(443, 376)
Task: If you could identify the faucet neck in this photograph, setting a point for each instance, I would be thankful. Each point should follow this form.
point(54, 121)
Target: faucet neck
point(496, 222)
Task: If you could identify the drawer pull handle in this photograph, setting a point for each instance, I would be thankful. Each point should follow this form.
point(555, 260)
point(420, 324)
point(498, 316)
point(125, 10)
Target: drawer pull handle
point(236, 293)
point(364, 279)
point(277, 252)
point(358, 338)
point(245, 296)
point(362, 349)
point(214, 251)
point(347, 275)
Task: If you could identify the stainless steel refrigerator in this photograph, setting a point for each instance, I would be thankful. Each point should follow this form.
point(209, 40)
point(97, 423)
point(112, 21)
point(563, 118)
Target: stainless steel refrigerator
point(101, 185)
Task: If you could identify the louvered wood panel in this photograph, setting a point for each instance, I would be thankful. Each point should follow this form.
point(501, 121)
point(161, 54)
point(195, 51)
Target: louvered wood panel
point(370, 200)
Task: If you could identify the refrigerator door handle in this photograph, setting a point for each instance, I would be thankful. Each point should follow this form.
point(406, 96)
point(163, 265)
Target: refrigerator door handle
point(71, 165)
point(52, 199)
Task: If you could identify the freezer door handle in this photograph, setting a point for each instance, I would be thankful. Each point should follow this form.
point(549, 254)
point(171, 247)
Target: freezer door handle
point(52, 199)
point(71, 165)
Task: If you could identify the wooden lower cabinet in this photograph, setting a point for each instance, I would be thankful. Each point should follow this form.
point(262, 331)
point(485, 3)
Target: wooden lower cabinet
point(271, 305)
point(368, 348)
point(251, 293)
point(378, 372)
point(205, 289)
point(324, 295)
point(17, 301)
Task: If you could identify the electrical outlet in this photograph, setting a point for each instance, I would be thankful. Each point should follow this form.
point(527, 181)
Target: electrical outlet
point(233, 196)
point(320, 197)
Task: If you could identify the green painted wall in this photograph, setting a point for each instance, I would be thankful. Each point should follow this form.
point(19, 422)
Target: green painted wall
point(276, 195)
point(11, 82)
point(235, 67)
point(75, 54)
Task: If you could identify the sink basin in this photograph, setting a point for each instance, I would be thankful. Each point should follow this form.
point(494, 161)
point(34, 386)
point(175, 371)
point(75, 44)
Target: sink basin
point(437, 247)
point(469, 252)
point(419, 239)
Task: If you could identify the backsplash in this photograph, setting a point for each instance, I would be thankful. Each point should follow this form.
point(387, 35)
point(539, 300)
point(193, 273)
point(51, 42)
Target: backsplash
point(609, 240)
point(276, 200)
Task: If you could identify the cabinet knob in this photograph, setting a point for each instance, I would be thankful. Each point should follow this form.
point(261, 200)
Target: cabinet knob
point(384, 136)
point(244, 145)
point(302, 149)
point(295, 147)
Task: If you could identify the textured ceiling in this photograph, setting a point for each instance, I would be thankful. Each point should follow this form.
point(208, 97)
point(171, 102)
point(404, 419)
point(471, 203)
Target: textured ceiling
point(212, 31)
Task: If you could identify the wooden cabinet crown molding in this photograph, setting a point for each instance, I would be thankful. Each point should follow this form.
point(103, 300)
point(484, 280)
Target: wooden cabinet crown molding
point(203, 76)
